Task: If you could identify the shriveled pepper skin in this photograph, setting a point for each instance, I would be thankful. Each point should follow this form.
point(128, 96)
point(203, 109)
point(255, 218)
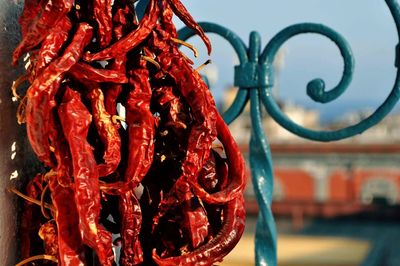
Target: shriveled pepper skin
point(46, 19)
point(236, 165)
point(103, 17)
point(131, 253)
point(220, 245)
point(86, 72)
point(141, 125)
point(119, 64)
point(70, 245)
point(75, 120)
point(53, 43)
point(108, 133)
point(28, 15)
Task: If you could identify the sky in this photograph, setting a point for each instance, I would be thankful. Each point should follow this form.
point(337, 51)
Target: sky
point(366, 24)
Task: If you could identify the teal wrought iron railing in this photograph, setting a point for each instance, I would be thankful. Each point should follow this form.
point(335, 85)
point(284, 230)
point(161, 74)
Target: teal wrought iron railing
point(255, 78)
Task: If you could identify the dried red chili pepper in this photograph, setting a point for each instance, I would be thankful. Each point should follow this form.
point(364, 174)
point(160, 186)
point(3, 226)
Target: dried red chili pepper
point(131, 252)
point(196, 94)
point(45, 20)
point(236, 170)
point(75, 120)
point(28, 15)
point(61, 152)
point(119, 64)
point(102, 14)
point(107, 130)
point(82, 71)
point(220, 245)
point(184, 15)
point(114, 90)
point(53, 43)
point(141, 125)
point(70, 246)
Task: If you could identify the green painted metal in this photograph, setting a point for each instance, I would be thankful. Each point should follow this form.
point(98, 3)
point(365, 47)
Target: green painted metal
point(254, 77)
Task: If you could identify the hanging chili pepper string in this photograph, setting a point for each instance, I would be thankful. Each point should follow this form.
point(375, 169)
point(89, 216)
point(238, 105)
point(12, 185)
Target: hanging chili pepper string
point(154, 155)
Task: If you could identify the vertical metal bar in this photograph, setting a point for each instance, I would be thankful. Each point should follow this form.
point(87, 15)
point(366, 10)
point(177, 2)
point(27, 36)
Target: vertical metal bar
point(262, 172)
point(263, 183)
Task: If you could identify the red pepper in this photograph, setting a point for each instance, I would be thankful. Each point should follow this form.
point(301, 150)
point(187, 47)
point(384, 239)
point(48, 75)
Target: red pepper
point(82, 71)
point(61, 152)
point(196, 94)
point(186, 18)
point(75, 120)
point(28, 15)
point(53, 43)
point(177, 118)
point(70, 246)
point(108, 132)
point(114, 90)
point(45, 20)
point(102, 14)
point(140, 122)
point(220, 245)
point(131, 253)
point(141, 125)
point(236, 166)
point(133, 39)
point(119, 64)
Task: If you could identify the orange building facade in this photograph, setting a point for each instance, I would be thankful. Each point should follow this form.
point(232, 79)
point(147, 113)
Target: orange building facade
point(332, 179)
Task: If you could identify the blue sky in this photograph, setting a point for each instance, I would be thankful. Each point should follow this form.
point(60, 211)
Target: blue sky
point(366, 24)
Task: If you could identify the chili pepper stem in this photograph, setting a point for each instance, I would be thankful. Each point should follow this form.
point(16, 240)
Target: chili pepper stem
point(151, 60)
point(27, 198)
point(21, 118)
point(188, 45)
point(16, 85)
point(203, 65)
point(38, 257)
point(51, 172)
point(116, 118)
point(42, 203)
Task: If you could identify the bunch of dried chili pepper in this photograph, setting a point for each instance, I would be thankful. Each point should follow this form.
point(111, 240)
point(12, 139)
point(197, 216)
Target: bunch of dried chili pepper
point(148, 181)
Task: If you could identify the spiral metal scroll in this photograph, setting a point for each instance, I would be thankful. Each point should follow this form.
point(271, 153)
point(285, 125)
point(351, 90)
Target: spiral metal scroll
point(254, 77)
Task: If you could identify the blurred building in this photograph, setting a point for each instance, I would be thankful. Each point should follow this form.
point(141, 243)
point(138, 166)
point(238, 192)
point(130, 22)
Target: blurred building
point(326, 179)
point(241, 127)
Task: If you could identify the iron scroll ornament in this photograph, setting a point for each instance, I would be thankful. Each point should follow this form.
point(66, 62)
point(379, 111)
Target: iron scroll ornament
point(254, 76)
